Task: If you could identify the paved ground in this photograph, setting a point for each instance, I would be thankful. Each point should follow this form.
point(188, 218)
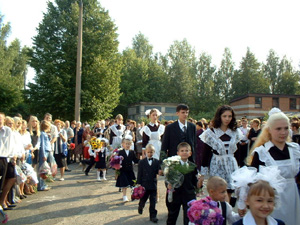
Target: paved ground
point(81, 199)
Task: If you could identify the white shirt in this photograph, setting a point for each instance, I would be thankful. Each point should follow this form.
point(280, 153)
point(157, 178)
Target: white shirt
point(182, 125)
point(6, 142)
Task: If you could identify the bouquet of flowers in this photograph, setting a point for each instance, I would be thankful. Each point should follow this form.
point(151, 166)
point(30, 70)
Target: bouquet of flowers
point(72, 146)
point(95, 143)
point(174, 173)
point(137, 192)
point(205, 212)
point(45, 171)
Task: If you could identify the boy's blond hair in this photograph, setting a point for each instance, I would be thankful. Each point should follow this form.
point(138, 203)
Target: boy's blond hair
point(215, 182)
point(150, 146)
point(184, 145)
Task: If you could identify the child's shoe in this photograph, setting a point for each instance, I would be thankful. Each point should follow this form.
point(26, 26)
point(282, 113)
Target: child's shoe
point(125, 199)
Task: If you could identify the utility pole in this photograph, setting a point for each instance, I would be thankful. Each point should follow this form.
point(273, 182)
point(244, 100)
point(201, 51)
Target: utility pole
point(78, 65)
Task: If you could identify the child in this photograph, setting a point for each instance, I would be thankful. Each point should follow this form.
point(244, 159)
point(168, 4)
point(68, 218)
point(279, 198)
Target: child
point(259, 192)
point(261, 202)
point(148, 169)
point(126, 177)
point(217, 190)
point(117, 131)
point(186, 192)
point(90, 163)
point(101, 155)
point(86, 147)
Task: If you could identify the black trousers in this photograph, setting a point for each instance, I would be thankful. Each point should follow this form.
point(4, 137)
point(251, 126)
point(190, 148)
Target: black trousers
point(3, 169)
point(174, 208)
point(92, 162)
point(151, 194)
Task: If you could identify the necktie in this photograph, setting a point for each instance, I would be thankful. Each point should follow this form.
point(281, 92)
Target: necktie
point(150, 159)
point(184, 129)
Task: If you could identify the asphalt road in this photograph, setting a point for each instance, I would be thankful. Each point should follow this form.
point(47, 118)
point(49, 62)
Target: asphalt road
point(80, 199)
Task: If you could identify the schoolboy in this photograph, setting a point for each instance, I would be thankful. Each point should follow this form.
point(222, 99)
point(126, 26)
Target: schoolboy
point(217, 190)
point(148, 169)
point(186, 192)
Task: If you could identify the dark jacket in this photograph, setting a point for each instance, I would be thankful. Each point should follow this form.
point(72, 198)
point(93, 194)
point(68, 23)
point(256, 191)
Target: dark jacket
point(174, 135)
point(147, 174)
point(127, 160)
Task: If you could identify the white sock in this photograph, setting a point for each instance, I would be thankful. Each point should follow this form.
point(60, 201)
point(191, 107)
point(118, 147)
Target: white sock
point(104, 173)
point(98, 175)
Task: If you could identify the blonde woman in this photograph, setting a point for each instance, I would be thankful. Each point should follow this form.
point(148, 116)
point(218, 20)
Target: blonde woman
point(58, 148)
point(34, 130)
point(272, 149)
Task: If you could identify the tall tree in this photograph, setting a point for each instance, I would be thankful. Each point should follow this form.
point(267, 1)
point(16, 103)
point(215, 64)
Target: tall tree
point(182, 69)
point(224, 77)
point(143, 78)
point(54, 60)
point(207, 97)
point(13, 67)
point(288, 78)
point(249, 78)
point(271, 70)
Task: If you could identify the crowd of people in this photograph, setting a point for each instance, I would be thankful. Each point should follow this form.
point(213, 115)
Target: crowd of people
point(214, 149)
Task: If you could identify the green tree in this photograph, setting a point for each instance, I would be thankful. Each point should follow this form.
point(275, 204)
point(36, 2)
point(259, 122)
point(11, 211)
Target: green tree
point(271, 70)
point(224, 77)
point(54, 60)
point(288, 78)
point(207, 96)
point(13, 67)
point(143, 78)
point(249, 78)
point(182, 70)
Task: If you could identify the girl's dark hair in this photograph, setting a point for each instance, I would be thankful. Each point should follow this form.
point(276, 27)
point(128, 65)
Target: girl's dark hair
point(217, 122)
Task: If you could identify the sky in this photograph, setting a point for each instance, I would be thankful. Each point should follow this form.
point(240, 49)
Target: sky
point(209, 26)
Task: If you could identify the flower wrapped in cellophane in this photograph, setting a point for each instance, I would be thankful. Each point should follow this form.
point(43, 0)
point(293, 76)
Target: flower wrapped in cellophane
point(137, 192)
point(204, 212)
point(45, 171)
point(116, 160)
point(174, 173)
point(95, 143)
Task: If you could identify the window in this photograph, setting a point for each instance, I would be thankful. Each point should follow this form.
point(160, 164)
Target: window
point(258, 102)
point(275, 102)
point(170, 109)
point(138, 109)
point(293, 103)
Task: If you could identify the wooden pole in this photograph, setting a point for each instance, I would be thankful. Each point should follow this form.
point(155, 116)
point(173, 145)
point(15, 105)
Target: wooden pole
point(78, 65)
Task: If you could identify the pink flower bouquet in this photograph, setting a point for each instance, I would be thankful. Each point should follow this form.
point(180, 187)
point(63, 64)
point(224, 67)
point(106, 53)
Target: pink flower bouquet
point(115, 162)
point(137, 192)
point(205, 211)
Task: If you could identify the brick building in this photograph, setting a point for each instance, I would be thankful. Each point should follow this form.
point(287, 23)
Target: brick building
point(168, 110)
point(257, 105)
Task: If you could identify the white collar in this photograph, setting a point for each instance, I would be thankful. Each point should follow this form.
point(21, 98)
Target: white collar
point(181, 125)
point(249, 219)
point(219, 132)
point(183, 163)
point(152, 124)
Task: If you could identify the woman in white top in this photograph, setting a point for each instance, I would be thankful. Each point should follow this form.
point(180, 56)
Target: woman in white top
point(153, 132)
point(220, 144)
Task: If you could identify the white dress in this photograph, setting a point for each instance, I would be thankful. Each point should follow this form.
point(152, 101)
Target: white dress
point(289, 200)
point(224, 164)
point(117, 140)
point(155, 139)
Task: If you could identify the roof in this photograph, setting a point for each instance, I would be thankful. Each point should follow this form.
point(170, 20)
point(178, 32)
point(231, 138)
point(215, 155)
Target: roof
point(264, 95)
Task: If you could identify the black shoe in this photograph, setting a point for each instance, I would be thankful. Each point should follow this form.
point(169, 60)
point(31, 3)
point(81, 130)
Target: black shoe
point(11, 206)
point(7, 209)
point(140, 210)
point(154, 220)
point(86, 173)
point(67, 170)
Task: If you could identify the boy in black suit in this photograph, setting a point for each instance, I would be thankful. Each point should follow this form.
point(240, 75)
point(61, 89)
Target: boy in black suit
point(187, 191)
point(148, 169)
point(179, 131)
